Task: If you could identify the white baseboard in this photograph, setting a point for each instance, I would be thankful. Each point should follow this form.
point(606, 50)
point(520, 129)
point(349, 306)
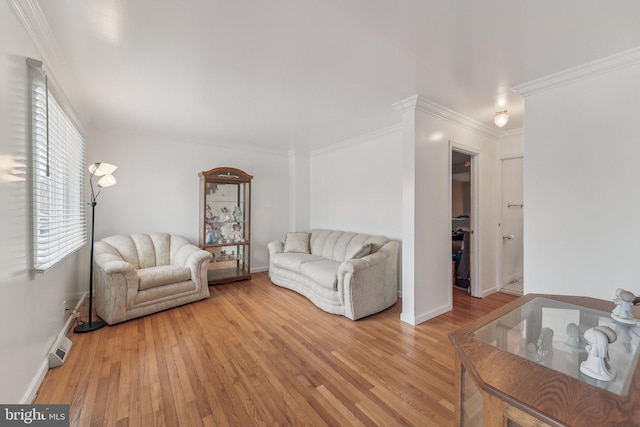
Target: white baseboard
point(259, 269)
point(32, 390)
point(416, 320)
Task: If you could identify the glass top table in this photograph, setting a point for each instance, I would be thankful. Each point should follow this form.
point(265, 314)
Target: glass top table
point(549, 332)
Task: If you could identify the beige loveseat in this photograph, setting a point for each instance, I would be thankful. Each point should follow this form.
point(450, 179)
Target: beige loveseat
point(351, 274)
point(145, 273)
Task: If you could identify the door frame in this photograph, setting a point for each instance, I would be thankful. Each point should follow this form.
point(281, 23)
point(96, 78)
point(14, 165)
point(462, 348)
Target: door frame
point(474, 255)
point(499, 205)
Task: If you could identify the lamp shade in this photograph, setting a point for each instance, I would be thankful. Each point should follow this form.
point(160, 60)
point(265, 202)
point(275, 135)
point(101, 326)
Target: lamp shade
point(107, 181)
point(501, 118)
point(100, 169)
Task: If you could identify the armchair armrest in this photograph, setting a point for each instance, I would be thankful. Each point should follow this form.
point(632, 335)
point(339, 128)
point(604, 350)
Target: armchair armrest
point(194, 258)
point(110, 262)
point(115, 267)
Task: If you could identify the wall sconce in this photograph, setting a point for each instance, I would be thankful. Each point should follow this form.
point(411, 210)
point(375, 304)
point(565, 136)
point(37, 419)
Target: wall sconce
point(501, 118)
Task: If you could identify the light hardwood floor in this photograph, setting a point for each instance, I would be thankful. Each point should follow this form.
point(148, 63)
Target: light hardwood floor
point(255, 354)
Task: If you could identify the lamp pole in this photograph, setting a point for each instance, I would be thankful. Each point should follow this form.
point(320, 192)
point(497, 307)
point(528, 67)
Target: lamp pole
point(98, 323)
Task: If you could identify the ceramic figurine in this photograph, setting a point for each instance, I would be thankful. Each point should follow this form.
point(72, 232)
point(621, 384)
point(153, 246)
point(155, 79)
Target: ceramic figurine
point(596, 365)
point(224, 215)
point(573, 335)
point(236, 234)
point(624, 303)
point(210, 235)
point(237, 214)
point(545, 342)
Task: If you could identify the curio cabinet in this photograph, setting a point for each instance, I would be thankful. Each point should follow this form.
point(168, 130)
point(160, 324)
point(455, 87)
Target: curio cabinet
point(225, 223)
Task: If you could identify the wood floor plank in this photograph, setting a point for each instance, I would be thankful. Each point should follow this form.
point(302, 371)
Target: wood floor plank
point(255, 354)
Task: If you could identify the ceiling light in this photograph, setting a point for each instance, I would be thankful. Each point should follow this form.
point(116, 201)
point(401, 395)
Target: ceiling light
point(501, 118)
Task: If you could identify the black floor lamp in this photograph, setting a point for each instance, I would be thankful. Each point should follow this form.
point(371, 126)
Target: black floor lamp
point(104, 170)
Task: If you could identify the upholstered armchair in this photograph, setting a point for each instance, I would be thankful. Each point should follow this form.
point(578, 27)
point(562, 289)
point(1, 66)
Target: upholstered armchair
point(145, 273)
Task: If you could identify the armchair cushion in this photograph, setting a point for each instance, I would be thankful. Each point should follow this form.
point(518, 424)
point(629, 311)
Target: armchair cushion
point(162, 275)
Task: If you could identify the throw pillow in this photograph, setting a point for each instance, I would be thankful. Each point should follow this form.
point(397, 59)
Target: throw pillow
point(360, 251)
point(297, 242)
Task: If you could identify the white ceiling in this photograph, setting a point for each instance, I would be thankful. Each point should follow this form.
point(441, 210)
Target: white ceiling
point(280, 73)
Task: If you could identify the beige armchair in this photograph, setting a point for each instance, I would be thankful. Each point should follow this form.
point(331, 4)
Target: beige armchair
point(142, 274)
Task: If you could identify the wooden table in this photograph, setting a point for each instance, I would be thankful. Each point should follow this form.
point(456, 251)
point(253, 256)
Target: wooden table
point(506, 386)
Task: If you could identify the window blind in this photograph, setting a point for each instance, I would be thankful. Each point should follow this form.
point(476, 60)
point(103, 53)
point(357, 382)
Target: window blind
point(58, 153)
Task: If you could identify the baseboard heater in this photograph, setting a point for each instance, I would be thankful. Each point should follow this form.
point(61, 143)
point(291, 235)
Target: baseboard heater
point(59, 353)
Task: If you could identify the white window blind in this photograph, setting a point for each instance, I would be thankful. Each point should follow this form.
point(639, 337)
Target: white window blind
point(59, 220)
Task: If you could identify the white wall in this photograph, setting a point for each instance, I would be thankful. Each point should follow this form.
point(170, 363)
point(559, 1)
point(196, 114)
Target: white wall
point(299, 194)
point(158, 185)
point(510, 146)
point(356, 185)
point(31, 308)
point(427, 142)
point(582, 145)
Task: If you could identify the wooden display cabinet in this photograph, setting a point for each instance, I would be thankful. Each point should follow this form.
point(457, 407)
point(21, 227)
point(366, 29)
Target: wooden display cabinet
point(225, 223)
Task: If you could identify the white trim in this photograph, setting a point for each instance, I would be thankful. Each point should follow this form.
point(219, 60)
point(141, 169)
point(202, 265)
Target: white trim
point(34, 22)
point(32, 390)
point(425, 105)
point(594, 68)
point(358, 140)
point(427, 315)
point(499, 204)
point(474, 239)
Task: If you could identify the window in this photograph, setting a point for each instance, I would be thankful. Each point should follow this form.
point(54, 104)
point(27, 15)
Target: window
point(58, 155)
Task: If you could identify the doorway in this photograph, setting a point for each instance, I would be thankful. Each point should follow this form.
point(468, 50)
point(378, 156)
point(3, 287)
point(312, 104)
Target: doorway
point(511, 227)
point(461, 220)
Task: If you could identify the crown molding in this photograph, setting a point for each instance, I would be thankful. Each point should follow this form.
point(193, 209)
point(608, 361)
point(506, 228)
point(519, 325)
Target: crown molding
point(34, 22)
point(591, 69)
point(358, 140)
point(425, 105)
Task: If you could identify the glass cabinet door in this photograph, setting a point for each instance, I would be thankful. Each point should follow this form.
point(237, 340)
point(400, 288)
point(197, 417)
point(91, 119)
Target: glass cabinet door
point(225, 223)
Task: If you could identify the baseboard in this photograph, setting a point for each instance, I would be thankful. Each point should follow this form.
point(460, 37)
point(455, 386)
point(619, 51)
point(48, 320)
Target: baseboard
point(31, 392)
point(416, 320)
point(259, 269)
point(33, 388)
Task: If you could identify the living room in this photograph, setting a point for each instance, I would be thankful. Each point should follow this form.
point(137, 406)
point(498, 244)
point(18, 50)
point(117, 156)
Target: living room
point(578, 78)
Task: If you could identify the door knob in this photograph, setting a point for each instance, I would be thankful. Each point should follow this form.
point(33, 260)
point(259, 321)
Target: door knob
point(508, 237)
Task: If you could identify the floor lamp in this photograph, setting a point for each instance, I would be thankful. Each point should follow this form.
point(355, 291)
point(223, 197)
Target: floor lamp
point(103, 170)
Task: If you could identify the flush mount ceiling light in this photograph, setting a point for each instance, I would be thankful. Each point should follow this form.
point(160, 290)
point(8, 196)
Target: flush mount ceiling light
point(501, 118)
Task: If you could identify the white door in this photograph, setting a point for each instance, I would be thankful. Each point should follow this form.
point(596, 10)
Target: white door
point(511, 226)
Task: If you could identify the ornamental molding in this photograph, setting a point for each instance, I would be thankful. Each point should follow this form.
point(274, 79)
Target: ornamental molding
point(34, 22)
point(598, 67)
point(428, 106)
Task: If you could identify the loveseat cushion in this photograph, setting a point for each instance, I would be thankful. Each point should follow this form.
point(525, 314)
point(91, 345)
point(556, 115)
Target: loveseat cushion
point(340, 245)
point(355, 252)
point(293, 261)
point(163, 275)
point(324, 273)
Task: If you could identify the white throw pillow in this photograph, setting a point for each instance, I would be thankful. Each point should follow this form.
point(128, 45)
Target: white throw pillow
point(359, 252)
point(297, 242)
